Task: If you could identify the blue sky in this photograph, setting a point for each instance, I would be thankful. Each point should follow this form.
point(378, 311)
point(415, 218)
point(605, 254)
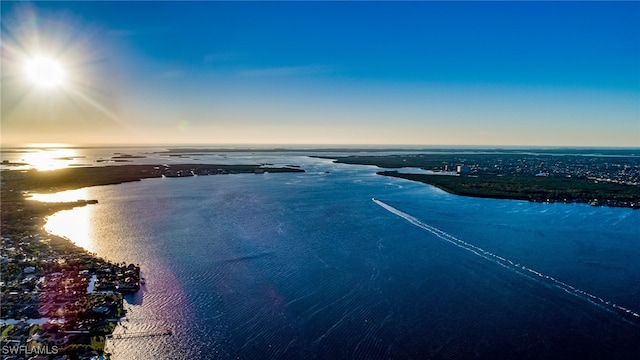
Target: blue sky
point(423, 73)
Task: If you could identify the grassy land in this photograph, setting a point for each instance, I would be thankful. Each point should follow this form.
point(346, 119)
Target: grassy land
point(97, 342)
point(5, 330)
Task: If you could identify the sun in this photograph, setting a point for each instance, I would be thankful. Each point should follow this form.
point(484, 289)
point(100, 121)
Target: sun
point(45, 72)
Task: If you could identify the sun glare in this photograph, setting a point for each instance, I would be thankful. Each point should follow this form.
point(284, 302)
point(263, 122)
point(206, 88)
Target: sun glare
point(45, 72)
point(75, 224)
point(49, 159)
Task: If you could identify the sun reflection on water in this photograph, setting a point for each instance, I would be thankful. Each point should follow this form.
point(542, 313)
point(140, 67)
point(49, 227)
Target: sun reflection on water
point(74, 224)
point(63, 196)
point(49, 158)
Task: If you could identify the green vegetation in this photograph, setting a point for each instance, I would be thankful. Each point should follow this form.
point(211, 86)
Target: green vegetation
point(424, 161)
point(6, 330)
point(610, 178)
point(530, 188)
point(75, 178)
point(34, 329)
point(97, 343)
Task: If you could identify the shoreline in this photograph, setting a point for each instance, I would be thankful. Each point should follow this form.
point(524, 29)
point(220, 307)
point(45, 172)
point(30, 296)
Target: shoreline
point(51, 301)
point(509, 188)
point(596, 180)
point(79, 177)
point(45, 276)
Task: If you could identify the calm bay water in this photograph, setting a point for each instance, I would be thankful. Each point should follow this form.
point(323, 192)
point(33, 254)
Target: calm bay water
point(308, 266)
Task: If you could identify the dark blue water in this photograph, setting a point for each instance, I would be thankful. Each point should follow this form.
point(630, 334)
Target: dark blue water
point(308, 266)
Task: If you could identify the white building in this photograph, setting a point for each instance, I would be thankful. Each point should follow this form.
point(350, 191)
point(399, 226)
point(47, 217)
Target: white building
point(463, 169)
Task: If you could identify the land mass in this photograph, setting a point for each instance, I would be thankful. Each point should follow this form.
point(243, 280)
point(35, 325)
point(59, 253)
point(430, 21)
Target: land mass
point(538, 189)
point(397, 149)
point(75, 178)
point(595, 179)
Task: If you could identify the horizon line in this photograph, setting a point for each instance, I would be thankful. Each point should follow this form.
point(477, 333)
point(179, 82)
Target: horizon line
point(311, 146)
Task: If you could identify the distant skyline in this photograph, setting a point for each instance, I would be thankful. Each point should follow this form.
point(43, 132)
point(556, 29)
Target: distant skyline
point(385, 73)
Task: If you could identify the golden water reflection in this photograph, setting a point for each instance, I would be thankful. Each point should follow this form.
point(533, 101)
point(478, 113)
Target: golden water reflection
point(63, 196)
point(74, 224)
point(49, 158)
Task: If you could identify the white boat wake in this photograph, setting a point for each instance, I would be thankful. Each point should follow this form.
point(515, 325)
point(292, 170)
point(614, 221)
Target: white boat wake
point(518, 268)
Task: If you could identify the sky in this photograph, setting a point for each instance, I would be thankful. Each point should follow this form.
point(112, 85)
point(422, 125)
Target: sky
point(310, 73)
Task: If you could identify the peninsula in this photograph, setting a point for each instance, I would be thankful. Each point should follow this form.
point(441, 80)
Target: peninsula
point(610, 178)
point(79, 177)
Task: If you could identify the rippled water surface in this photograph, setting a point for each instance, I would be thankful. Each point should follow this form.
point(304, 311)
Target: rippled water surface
point(308, 266)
